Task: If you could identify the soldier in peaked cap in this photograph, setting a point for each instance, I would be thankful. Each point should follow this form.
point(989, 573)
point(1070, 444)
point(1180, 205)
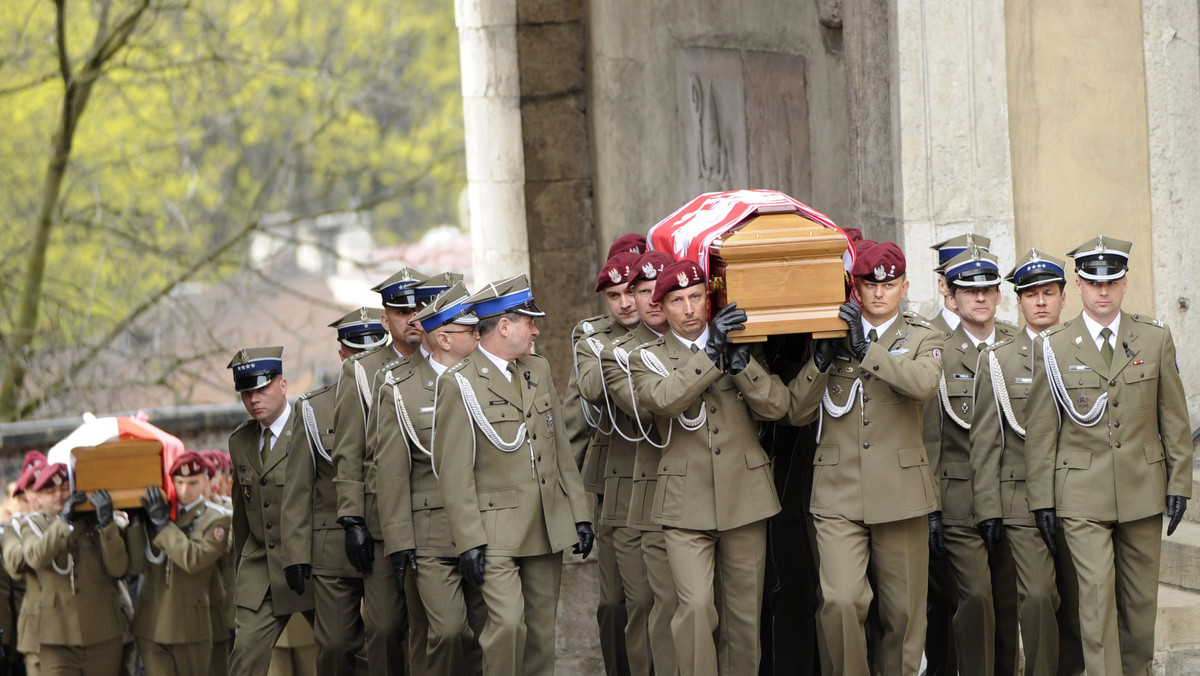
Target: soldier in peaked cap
point(997, 436)
point(1107, 450)
point(314, 543)
point(947, 317)
point(872, 487)
point(622, 573)
point(715, 488)
point(416, 529)
point(384, 614)
point(511, 491)
point(259, 449)
point(79, 559)
point(172, 622)
point(636, 475)
point(973, 280)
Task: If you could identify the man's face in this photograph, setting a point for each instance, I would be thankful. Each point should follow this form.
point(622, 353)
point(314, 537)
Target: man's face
point(1102, 300)
point(622, 305)
point(519, 335)
point(406, 334)
point(651, 313)
point(1041, 306)
point(266, 403)
point(188, 489)
point(687, 310)
point(977, 304)
point(455, 340)
point(53, 498)
point(880, 300)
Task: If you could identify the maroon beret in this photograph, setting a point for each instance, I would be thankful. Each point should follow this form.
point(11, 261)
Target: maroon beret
point(649, 264)
point(51, 475)
point(882, 262)
point(678, 275)
point(631, 243)
point(617, 270)
point(34, 462)
point(854, 234)
point(190, 463)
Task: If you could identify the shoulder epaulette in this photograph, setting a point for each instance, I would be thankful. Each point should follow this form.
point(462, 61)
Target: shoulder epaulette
point(359, 355)
point(621, 340)
point(312, 393)
point(459, 366)
point(1006, 324)
point(245, 423)
point(393, 363)
point(218, 508)
point(1054, 329)
point(1143, 319)
point(1008, 340)
point(917, 320)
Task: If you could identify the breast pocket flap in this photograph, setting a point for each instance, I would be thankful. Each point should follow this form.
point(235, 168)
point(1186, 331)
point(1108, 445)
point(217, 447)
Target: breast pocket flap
point(504, 498)
point(1074, 460)
point(913, 457)
point(673, 467)
point(756, 458)
point(1136, 374)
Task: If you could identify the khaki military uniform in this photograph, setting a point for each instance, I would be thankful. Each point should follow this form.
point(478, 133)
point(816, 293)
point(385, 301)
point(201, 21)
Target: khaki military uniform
point(264, 601)
point(82, 627)
point(222, 580)
point(172, 621)
point(11, 592)
point(872, 487)
point(633, 480)
point(977, 617)
point(1108, 481)
point(522, 505)
point(30, 611)
point(998, 474)
point(614, 536)
point(715, 491)
point(588, 432)
point(312, 535)
point(411, 508)
point(384, 613)
point(942, 660)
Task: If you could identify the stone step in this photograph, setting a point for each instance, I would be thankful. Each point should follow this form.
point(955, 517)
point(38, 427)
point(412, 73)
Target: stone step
point(1176, 639)
point(1181, 557)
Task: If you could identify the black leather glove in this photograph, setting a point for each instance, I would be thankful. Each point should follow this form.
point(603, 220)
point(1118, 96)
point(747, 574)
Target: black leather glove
point(104, 507)
point(1044, 518)
point(158, 511)
point(937, 534)
point(68, 508)
point(824, 352)
point(402, 561)
point(360, 548)
point(587, 537)
point(728, 318)
point(1176, 506)
point(992, 532)
point(739, 358)
point(851, 313)
point(471, 563)
point(296, 574)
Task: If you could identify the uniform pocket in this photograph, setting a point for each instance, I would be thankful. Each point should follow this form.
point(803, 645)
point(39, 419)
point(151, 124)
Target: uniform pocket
point(1070, 481)
point(824, 481)
point(669, 496)
point(1013, 504)
point(918, 483)
point(1141, 385)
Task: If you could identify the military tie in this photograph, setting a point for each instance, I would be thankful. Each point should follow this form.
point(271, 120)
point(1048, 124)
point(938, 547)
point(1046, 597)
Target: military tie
point(695, 348)
point(267, 435)
point(512, 368)
point(1106, 349)
point(872, 336)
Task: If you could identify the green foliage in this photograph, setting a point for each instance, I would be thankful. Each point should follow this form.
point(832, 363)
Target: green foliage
point(213, 115)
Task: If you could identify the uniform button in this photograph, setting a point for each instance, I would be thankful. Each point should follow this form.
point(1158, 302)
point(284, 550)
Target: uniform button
point(266, 503)
point(1011, 474)
point(820, 458)
point(269, 524)
point(1112, 383)
point(712, 409)
point(866, 444)
point(708, 390)
point(1118, 444)
point(718, 451)
point(866, 399)
point(866, 422)
point(1116, 404)
point(698, 371)
point(270, 545)
point(535, 435)
point(664, 468)
point(808, 378)
point(543, 482)
point(528, 416)
point(426, 502)
point(716, 430)
point(492, 503)
point(754, 379)
point(875, 367)
point(643, 475)
point(1064, 462)
point(502, 414)
point(1117, 424)
point(945, 472)
point(539, 458)
point(263, 481)
point(614, 471)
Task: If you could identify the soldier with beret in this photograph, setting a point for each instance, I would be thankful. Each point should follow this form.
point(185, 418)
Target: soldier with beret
point(78, 558)
point(384, 612)
point(172, 621)
point(872, 486)
point(510, 488)
point(416, 530)
point(222, 576)
point(715, 487)
point(29, 610)
point(1108, 449)
point(998, 470)
point(633, 479)
point(314, 542)
point(259, 449)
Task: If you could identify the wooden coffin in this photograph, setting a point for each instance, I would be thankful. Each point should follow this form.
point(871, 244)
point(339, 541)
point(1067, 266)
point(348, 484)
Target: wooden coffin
point(786, 272)
point(123, 468)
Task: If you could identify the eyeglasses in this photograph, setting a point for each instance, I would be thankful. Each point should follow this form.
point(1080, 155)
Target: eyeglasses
point(463, 331)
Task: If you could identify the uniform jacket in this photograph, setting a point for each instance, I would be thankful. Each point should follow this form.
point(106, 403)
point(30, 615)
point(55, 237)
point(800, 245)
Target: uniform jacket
point(257, 529)
point(589, 445)
point(631, 472)
point(1139, 451)
point(870, 464)
point(30, 611)
point(355, 394)
point(717, 477)
point(523, 503)
point(410, 503)
point(311, 533)
point(998, 450)
point(173, 604)
point(946, 441)
point(78, 568)
point(223, 580)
